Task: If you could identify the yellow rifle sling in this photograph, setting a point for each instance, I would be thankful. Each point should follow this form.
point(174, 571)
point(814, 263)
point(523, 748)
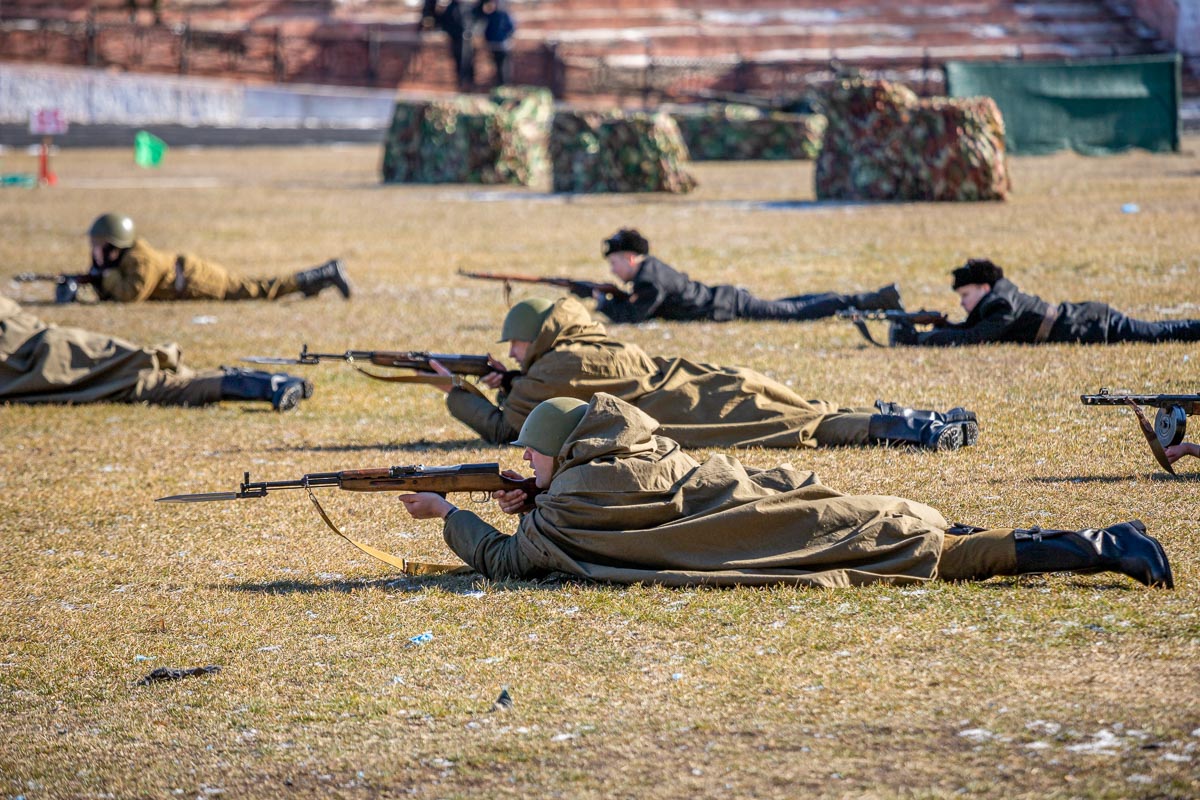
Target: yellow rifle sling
point(402, 564)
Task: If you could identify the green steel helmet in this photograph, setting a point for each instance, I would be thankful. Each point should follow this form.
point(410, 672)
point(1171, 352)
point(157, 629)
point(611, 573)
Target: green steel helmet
point(116, 229)
point(550, 423)
point(525, 319)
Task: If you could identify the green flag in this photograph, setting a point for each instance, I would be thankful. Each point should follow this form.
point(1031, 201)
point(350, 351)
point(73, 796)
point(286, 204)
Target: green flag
point(148, 149)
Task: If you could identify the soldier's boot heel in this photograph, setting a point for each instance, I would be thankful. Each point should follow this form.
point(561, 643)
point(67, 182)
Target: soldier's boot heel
point(1125, 548)
point(967, 421)
point(331, 273)
point(927, 433)
point(283, 391)
point(885, 298)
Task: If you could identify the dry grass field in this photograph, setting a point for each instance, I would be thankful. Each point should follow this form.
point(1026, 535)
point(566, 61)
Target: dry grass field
point(1037, 687)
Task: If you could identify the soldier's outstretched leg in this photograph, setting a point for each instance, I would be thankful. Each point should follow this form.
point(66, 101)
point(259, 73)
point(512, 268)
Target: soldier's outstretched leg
point(331, 273)
point(283, 391)
point(931, 434)
point(885, 298)
point(1127, 329)
point(176, 387)
point(1124, 548)
point(967, 420)
point(804, 307)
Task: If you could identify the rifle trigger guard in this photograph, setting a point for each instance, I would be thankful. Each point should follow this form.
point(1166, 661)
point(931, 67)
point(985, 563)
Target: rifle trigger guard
point(482, 497)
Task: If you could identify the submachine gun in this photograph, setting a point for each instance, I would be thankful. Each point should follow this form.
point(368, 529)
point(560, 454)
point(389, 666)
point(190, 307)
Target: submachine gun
point(896, 318)
point(582, 289)
point(472, 478)
point(461, 366)
point(1170, 423)
point(66, 286)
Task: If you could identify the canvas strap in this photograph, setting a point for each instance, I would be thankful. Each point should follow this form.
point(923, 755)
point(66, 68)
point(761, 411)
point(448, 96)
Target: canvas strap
point(429, 380)
point(402, 564)
point(1048, 320)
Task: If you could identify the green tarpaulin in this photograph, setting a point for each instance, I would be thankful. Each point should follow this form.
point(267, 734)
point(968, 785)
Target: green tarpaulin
point(1093, 106)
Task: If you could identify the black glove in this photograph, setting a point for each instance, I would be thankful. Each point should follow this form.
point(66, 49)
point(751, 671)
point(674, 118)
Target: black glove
point(902, 333)
point(66, 289)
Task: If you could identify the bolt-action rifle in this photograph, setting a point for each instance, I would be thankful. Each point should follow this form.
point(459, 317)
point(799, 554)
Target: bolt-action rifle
point(66, 286)
point(471, 478)
point(895, 317)
point(1170, 423)
point(578, 288)
point(461, 366)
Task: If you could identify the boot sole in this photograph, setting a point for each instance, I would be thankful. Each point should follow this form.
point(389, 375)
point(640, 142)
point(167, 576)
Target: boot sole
point(970, 434)
point(288, 398)
point(950, 438)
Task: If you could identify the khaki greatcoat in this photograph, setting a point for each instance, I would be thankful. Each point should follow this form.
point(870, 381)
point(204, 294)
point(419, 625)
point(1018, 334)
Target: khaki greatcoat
point(628, 506)
point(697, 405)
point(143, 273)
point(42, 363)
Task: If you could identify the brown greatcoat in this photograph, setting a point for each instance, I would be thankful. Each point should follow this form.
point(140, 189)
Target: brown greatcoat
point(42, 363)
point(627, 506)
point(143, 273)
point(697, 405)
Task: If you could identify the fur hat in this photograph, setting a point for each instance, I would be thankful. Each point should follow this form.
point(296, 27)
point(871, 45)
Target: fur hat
point(977, 270)
point(626, 240)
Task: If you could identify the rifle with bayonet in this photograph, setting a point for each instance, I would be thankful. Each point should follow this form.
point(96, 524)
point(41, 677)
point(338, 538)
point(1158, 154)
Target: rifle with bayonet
point(1170, 423)
point(66, 286)
point(472, 478)
point(460, 366)
point(896, 319)
point(582, 289)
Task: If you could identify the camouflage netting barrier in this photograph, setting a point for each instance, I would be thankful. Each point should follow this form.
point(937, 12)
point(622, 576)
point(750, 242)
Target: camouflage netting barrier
point(497, 139)
point(883, 143)
point(618, 152)
point(730, 132)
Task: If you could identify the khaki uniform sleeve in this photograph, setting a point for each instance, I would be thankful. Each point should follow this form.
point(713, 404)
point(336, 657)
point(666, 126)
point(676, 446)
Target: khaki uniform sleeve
point(132, 280)
point(488, 551)
point(480, 415)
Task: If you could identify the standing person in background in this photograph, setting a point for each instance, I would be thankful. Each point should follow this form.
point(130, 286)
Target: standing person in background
point(449, 17)
point(498, 30)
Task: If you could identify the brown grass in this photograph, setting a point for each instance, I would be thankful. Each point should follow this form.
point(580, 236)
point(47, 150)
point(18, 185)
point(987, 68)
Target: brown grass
point(1058, 687)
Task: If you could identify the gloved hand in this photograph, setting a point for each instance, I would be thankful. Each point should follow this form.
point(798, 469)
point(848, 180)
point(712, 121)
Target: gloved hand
point(902, 333)
point(66, 289)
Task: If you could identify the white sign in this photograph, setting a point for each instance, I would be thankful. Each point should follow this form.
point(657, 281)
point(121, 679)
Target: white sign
point(48, 122)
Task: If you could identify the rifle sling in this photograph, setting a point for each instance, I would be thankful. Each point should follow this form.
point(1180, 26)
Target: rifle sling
point(1147, 427)
point(431, 380)
point(862, 328)
point(403, 564)
point(1048, 320)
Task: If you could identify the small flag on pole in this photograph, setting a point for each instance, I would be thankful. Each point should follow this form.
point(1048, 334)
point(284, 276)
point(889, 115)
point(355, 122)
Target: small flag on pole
point(148, 149)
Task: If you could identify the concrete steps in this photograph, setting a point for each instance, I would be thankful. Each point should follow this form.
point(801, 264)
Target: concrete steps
point(581, 47)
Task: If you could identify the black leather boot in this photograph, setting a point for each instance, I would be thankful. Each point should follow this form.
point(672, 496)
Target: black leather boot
point(331, 273)
point(282, 390)
point(1123, 548)
point(886, 298)
point(959, 415)
point(932, 434)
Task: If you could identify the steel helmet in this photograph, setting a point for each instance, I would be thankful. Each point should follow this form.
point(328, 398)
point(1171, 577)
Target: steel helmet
point(550, 423)
point(116, 229)
point(525, 319)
